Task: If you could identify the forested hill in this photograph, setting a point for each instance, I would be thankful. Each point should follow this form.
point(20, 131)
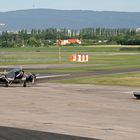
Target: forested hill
point(72, 19)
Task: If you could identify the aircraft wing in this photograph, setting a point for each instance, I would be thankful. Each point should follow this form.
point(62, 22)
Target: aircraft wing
point(51, 76)
point(41, 77)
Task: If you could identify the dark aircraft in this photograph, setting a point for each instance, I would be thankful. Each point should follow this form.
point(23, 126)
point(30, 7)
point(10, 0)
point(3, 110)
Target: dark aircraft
point(16, 76)
point(137, 94)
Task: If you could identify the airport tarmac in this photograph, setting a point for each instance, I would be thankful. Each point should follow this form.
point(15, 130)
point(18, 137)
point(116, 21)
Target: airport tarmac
point(101, 112)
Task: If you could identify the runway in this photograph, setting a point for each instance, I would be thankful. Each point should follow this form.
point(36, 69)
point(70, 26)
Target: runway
point(59, 76)
point(87, 111)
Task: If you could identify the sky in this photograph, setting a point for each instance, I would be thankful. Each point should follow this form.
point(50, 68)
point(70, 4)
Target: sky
point(95, 5)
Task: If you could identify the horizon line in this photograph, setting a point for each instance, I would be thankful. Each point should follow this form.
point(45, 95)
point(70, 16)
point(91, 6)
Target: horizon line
point(69, 10)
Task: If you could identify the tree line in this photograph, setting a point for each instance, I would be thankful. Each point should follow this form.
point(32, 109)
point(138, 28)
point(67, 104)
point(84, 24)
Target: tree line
point(88, 36)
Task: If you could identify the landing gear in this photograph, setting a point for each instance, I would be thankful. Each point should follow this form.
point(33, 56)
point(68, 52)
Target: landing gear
point(24, 84)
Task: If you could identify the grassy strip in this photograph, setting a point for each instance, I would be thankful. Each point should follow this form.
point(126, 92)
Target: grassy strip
point(100, 48)
point(111, 59)
point(129, 79)
point(75, 48)
point(108, 55)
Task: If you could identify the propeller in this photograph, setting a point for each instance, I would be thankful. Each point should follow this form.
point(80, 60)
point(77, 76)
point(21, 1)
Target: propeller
point(34, 77)
point(31, 77)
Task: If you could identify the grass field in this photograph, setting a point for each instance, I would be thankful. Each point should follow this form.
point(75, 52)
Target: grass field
point(128, 79)
point(100, 58)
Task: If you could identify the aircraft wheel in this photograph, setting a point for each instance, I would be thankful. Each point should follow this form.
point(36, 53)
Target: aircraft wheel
point(6, 84)
point(24, 84)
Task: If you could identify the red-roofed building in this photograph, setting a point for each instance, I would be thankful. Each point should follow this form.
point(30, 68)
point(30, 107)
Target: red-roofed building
point(74, 41)
point(68, 41)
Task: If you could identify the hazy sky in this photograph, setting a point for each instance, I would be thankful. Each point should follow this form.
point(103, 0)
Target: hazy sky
point(96, 5)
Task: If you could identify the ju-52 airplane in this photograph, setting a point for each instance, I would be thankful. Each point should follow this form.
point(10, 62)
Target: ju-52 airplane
point(16, 76)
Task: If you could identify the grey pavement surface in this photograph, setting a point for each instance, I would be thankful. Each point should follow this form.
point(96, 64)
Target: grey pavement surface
point(101, 112)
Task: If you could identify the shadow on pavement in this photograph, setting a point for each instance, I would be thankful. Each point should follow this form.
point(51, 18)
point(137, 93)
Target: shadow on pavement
point(8, 133)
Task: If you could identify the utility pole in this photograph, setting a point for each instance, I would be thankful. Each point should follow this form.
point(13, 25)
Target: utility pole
point(59, 53)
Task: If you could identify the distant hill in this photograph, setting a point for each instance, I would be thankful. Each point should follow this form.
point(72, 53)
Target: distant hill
point(72, 19)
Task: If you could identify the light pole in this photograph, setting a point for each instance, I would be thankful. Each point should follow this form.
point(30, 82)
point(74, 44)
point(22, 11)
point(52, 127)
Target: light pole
point(59, 53)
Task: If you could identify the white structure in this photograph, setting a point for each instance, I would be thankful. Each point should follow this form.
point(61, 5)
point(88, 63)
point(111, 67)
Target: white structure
point(79, 57)
point(138, 30)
